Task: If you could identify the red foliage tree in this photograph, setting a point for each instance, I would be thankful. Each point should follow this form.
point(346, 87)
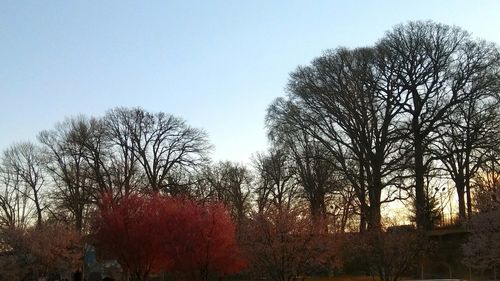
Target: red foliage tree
point(151, 234)
point(127, 231)
point(202, 241)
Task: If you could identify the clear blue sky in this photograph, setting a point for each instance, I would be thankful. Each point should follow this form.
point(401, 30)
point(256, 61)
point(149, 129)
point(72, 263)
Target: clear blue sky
point(217, 64)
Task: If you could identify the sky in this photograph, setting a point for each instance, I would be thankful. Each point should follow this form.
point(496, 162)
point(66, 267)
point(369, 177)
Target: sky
point(216, 64)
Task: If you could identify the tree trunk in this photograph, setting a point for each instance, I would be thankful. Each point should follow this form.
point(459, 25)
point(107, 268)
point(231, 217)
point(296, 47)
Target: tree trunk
point(460, 186)
point(469, 200)
point(419, 170)
point(374, 223)
point(318, 212)
point(38, 210)
point(79, 221)
point(374, 220)
point(363, 219)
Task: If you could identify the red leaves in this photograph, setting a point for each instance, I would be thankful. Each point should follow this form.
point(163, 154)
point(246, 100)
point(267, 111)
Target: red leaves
point(203, 241)
point(126, 230)
point(150, 234)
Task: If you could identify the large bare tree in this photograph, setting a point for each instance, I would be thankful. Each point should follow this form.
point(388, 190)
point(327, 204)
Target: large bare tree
point(437, 67)
point(345, 102)
point(160, 143)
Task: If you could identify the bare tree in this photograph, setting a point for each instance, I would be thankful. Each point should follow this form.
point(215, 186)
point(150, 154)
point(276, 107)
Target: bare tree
point(92, 135)
point(65, 157)
point(486, 185)
point(437, 67)
point(276, 185)
point(230, 183)
point(312, 163)
point(464, 144)
point(160, 143)
point(112, 167)
point(124, 165)
point(345, 102)
point(15, 208)
point(25, 162)
point(342, 207)
point(316, 177)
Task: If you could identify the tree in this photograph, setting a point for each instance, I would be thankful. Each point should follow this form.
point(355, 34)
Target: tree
point(312, 164)
point(345, 102)
point(92, 136)
point(316, 177)
point(65, 158)
point(388, 254)
point(276, 186)
point(201, 241)
point(282, 245)
point(483, 247)
point(153, 233)
point(56, 248)
point(123, 163)
point(435, 68)
point(432, 211)
point(482, 250)
point(15, 208)
point(342, 208)
point(38, 251)
point(230, 183)
point(127, 231)
point(379, 109)
point(25, 162)
point(463, 145)
point(161, 143)
point(487, 185)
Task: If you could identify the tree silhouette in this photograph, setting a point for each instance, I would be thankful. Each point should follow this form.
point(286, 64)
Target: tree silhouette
point(437, 68)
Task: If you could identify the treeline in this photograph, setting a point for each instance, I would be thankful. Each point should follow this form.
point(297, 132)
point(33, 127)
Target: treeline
point(397, 118)
point(358, 128)
point(62, 176)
